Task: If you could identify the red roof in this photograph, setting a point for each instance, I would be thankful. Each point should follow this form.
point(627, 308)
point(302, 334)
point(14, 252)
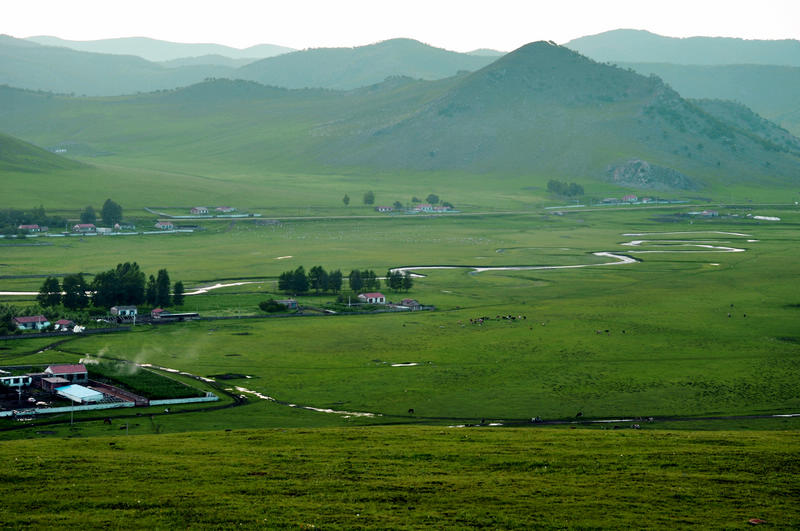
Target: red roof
point(158, 310)
point(67, 368)
point(28, 227)
point(31, 319)
point(85, 226)
point(64, 322)
point(373, 295)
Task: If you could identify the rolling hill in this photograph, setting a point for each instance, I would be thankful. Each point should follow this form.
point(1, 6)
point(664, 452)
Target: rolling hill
point(348, 68)
point(28, 65)
point(639, 46)
point(541, 110)
point(19, 156)
point(158, 50)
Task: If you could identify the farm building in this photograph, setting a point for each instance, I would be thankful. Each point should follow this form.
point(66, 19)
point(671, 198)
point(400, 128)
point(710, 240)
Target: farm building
point(84, 227)
point(64, 325)
point(225, 209)
point(72, 372)
point(423, 207)
point(80, 394)
point(165, 225)
point(32, 228)
point(123, 311)
point(157, 313)
point(52, 383)
point(104, 230)
point(383, 208)
point(372, 298)
point(411, 304)
point(32, 322)
point(199, 210)
point(16, 381)
point(289, 303)
point(630, 198)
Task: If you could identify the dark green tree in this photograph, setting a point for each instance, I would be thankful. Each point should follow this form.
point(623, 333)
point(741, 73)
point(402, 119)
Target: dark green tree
point(415, 199)
point(408, 281)
point(432, 199)
point(394, 280)
point(74, 288)
point(285, 281)
point(299, 280)
point(88, 215)
point(369, 198)
point(124, 284)
point(177, 293)
point(151, 291)
point(397, 205)
point(355, 280)
point(346, 200)
point(335, 281)
point(271, 306)
point(111, 213)
point(318, 279)
point(50, 293)
point(163, 288)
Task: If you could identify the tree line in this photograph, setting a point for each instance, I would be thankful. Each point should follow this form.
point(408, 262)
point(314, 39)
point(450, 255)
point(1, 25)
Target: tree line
point(126, 284)
point(11, 219)
point(369, 199)
point(111, 213)
point(321, 281)
point(564, 188)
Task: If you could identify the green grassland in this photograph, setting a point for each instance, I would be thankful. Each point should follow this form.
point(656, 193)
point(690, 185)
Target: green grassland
point(679, 355)
point(415, 478)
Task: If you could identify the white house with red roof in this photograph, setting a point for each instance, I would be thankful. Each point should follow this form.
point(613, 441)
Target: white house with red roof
point(372, 298)
point(31, 322)
point(72, 372)
point(165, 225)
point(199, 210)
point(32, 228)
point(84, 227)
point(630, 198)
point(64, 325)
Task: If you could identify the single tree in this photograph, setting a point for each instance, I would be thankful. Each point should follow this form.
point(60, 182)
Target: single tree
point(151, 291)
point(299, 280)
point(111, 213)
point(318, 279)
point(397, 205)
point(408, 281)
point(369, 198)
point(285, 281)
point(271, 306)
point(163, 288)
point(415, 199)
point(50, 293)
point(74, 288)
point(432, 199)
point(355, 280)
point(177, 293)
point(346, 200)
point(88, 215)
point(335, 281)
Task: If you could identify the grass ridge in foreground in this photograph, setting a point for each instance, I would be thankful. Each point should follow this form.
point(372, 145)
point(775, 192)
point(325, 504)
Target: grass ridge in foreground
point(408, 477)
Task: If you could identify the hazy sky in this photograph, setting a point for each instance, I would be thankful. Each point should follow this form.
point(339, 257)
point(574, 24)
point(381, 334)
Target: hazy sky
point(454, 24)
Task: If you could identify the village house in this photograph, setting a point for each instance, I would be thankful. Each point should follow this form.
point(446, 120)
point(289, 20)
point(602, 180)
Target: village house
point(123, 311)
point(71, 372)
point(84, 227)
point(104, 230)
point(30, 229)
point(423, 207)
point(33, 322)
point(372, 298)
point(158, 313)
point(441, 208)
point(225, 209)
point(630, 198)
point(199, 210)
point(291, 304)
point(165, 225)
point(411, 304)
point(383, 208)
point(64, 325)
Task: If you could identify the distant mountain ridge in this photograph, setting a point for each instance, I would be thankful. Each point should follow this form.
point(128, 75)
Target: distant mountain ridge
point(639, 46)
point(157, 50)
point(541, 110)
point(348, 68)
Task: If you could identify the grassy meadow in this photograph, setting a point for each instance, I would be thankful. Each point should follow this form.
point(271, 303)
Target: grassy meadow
point(403, 477)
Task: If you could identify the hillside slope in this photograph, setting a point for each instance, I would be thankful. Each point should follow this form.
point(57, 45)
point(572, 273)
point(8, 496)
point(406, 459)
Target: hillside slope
point(639, 46)
point(19, 156)
point(348, 68)
point(771, 91)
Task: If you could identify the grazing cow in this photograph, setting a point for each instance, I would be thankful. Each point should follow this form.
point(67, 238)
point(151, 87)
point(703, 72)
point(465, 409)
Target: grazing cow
point(411, 411)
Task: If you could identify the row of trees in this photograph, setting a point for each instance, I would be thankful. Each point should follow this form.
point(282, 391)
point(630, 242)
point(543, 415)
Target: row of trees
point(321, 281)
point(124, 285)
point(111, 213)
point(564, 189)
point(369, 199)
